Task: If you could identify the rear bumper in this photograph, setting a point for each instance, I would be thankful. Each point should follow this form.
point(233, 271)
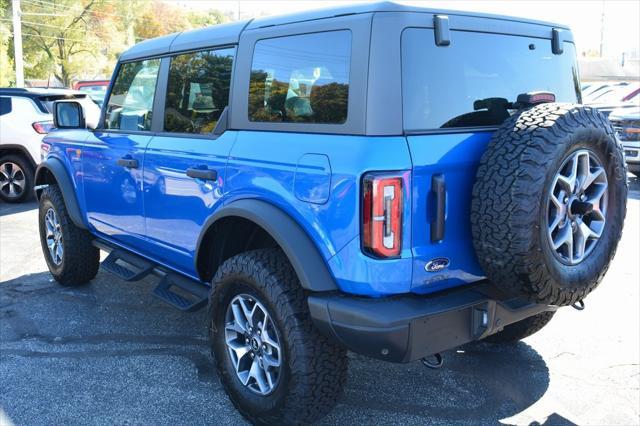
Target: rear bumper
point(407, 328)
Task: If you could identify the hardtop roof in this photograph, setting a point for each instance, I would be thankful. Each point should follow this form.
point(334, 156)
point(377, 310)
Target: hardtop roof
point(229, 33)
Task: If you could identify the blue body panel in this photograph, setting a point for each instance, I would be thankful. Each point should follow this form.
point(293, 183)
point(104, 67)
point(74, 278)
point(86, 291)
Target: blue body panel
point(177, 206)
point(158, 211)
point(268, 165)
point(456, 157)
point(112, 193)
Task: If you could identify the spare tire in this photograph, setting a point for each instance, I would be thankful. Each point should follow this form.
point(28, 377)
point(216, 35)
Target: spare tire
point(549, 203)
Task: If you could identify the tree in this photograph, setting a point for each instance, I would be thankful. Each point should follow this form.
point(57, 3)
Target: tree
point(82, 39)
point(7, 75)
point(64, 38)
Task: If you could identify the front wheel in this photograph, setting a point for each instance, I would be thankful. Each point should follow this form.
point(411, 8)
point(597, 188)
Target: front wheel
point(68, 250)
point(274, 364)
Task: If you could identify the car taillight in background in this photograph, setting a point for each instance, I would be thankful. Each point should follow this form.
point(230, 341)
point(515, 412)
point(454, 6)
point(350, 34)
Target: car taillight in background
point(382, 214)
point(43, 127)
point(44, 150)
point(627, 130)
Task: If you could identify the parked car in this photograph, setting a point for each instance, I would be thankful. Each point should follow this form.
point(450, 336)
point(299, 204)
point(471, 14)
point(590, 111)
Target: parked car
point(594, 89)
point(389, 179)
point(25, 117)
point(615, 98)
point(96, 89)
point(626, 122)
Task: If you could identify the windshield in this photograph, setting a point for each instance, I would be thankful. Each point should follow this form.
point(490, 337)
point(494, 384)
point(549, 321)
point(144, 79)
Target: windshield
point(442, 86)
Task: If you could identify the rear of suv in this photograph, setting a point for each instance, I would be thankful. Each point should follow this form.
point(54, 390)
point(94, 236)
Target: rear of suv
point(25, 117)
point(391, 180)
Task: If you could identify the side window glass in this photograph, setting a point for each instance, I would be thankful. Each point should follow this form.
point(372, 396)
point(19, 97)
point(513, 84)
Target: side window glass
point(198, 90)
point(131, 102)
point(301, 79)
point(5, 105)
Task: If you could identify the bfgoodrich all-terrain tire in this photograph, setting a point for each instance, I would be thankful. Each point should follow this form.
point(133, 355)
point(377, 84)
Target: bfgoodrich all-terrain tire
point(521, 329)
point(549, 203)
point(70, 256)
point(274, 364)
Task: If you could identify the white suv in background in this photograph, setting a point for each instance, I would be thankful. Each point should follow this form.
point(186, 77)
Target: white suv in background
point(25, 117)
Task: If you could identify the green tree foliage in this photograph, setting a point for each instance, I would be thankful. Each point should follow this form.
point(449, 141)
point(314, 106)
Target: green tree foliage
point(81, 39)
point(7, 75)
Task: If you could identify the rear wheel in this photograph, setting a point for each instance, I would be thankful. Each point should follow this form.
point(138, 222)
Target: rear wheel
point(521, 329)
point(16, 179)
point(274, 364)
point(68, 250)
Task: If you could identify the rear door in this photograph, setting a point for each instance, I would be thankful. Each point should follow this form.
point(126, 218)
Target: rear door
point(454, 97)
point(113, 155)
point(184, 166)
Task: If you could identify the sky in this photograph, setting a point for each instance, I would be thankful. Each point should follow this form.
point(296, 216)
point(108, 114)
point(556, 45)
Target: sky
point(621, 17)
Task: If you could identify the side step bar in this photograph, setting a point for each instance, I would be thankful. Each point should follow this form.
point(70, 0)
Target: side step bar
point(190, 295)
point(176, 290)
point(126, 266)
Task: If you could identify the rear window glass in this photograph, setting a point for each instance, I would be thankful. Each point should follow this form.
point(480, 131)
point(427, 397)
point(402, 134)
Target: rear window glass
point(301, 79)
point(47, 101)
point(468, 83)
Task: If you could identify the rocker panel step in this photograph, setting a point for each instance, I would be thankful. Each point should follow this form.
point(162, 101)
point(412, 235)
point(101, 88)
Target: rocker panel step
point(127, 266)
point(191, 297)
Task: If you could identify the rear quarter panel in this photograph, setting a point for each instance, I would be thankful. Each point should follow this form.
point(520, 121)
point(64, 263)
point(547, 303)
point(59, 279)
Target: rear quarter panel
point(287, 170)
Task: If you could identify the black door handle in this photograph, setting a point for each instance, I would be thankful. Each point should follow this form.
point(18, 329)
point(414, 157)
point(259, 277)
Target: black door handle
point(439, 191)
point(204, 174)
point(128, 162)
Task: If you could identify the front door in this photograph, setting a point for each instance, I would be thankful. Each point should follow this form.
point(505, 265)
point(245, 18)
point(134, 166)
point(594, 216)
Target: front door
point(184, 166)
point(113, 157)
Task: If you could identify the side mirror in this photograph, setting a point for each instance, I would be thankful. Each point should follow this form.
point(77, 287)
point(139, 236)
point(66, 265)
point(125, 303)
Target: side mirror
point(75, 114)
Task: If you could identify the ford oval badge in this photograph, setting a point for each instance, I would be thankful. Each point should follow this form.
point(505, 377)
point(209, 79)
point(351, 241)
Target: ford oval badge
point(437, 264)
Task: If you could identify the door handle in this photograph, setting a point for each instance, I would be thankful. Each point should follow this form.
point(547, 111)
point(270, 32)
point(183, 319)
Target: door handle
point(439, 190)
point(128, 162)
point(204, 174)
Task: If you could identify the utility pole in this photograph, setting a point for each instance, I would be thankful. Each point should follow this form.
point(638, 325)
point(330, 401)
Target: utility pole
point(602, 30)
point(17, 43)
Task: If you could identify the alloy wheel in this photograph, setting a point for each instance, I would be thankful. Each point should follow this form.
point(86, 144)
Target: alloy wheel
point(253, 344)
point(12, 180)
point(577, 207)
point(54, 236)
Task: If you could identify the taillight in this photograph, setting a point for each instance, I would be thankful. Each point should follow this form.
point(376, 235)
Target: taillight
point(44, 150)
point(43, 127)
point(382, 215)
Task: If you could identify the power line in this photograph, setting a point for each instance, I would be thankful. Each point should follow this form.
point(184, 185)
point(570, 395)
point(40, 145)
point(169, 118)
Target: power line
point(54, 37)
point(44, 4)
point(33, 24)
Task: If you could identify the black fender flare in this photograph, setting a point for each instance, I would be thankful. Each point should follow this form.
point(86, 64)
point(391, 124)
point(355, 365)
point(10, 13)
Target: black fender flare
point(305, 258)
point(59, 172)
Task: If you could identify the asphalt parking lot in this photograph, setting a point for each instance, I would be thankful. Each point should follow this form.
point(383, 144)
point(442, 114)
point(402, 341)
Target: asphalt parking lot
point(110, 353)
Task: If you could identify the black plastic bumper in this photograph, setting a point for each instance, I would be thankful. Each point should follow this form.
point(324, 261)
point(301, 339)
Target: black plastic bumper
point(407, 328)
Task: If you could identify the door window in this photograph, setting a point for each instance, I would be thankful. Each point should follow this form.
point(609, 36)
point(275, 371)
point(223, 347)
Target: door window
point(5, 105)
point(301, 79)
point(131, 101)
point(198, 90)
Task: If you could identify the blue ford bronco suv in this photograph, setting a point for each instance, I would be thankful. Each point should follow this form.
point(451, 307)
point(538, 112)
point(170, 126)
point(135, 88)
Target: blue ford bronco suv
point(390, 180)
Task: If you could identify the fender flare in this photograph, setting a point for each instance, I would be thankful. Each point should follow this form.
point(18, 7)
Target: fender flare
point(59, 172)
point(310, 267)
